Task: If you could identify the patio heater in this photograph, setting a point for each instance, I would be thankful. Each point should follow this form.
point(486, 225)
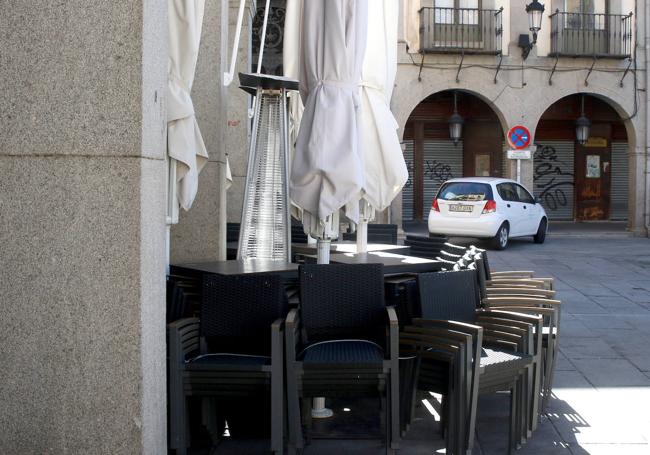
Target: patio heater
point(265, 224)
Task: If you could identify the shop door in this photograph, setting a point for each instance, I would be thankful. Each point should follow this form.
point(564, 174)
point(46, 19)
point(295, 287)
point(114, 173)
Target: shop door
point(482, 149)
point(593, 175)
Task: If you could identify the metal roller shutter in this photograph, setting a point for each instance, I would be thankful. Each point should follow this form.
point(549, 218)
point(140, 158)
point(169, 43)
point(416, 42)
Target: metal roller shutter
point(407, 190)
point(442, 161)
point(554, 179)
point(620, 179)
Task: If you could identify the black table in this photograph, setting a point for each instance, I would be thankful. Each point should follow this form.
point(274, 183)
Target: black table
point(286, 270)
point(347, 247)
point(393, 263)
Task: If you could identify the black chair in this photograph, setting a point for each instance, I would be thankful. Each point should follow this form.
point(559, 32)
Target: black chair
point(298, 232)
point(183, 297)
point(235, 351)
point(342, 341)
point(509, 351)
point(377, 233)
point(425, 247)
point(232, 232)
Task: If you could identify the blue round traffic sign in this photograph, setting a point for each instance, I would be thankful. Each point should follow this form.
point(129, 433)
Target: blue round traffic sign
point(519, 137)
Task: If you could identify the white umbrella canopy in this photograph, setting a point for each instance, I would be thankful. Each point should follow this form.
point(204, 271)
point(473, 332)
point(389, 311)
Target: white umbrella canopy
point(327, 168)
point(184, 141)
point(385, 171)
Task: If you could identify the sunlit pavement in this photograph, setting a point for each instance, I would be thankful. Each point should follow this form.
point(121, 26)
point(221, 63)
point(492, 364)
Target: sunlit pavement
point(601, 398)
point(601, 402)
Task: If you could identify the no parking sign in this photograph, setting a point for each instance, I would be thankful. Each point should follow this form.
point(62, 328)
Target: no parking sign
point(519, 137)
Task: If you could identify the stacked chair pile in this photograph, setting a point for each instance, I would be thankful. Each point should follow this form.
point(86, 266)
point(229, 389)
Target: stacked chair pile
point(508, 321)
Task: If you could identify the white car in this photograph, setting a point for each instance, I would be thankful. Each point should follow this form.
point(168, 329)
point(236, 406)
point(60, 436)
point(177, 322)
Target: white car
point(487, 207)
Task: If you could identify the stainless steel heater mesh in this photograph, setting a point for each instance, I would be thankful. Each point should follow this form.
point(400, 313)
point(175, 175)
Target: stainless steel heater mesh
point(265, 226)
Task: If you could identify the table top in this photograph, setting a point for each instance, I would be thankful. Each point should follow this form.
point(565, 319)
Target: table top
point(249, 266)
point(347, 247)
point(393, 263)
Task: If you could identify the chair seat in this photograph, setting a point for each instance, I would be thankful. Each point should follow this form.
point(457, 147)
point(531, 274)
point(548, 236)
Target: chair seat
point(495, 358)
point(349, 353)
point(223, 359)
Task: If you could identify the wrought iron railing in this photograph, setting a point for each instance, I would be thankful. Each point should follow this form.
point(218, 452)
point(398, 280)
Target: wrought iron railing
point(591, 35)
point(461, 30)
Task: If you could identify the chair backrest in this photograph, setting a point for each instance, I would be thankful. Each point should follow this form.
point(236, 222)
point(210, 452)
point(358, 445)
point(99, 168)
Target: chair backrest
point(377, 233)
point(448, 295)
point(232, 232)
point(237, 312)
point(298, 233)
point(426, 247)
point(341, 301)
point(481, 273)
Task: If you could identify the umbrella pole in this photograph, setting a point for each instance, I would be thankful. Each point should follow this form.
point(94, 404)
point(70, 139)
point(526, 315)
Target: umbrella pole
point(362, 236)
point(323, 255)
point(318, 409)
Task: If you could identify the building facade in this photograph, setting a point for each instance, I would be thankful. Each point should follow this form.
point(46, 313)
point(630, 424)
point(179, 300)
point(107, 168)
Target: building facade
point(589, 60)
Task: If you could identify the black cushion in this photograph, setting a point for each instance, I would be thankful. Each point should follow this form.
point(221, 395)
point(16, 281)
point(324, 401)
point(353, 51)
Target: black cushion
point(230, 359)
point(349, 352)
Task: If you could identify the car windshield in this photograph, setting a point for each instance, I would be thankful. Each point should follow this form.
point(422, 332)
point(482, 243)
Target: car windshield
point(465, 191)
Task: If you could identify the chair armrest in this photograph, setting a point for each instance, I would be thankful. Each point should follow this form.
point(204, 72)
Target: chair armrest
point(393, 332)
point(455, 247)
point(520, 300)
point(514, 274)
point(509, 281)
point(182, 339)
point(292, 323)
point(533, 292)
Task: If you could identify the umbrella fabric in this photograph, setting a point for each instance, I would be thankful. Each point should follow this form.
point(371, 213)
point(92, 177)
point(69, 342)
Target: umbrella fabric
point(327, 170)
point(385, 171)
point(184, 140)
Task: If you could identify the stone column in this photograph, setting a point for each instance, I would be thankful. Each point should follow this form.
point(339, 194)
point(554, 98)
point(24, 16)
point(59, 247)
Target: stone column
point(82, 227)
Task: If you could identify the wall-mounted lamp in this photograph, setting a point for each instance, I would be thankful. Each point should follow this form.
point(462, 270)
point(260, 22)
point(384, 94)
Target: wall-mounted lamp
point(583, 124)
point(456, 124)
point(535, 11)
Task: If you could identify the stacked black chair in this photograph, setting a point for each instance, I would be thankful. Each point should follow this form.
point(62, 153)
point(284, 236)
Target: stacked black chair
point(425, 247)
point(234, 351)
point(377, 233)
point(298, 232)
point(183, 297)
point(232, 232)
point(507, 353)
point(342, 341)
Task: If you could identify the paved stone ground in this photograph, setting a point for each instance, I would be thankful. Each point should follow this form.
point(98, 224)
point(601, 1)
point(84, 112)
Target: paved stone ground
point(601, 395)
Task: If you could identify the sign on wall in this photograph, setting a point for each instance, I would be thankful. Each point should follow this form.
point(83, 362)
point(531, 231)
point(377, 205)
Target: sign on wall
point(519, 137)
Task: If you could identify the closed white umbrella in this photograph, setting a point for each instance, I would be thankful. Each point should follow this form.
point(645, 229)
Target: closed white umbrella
point(185, 145)
point(327, 170)
point(385, 171)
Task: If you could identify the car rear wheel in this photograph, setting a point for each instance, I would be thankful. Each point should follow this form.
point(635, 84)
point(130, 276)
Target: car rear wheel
point(541, 232)
point(500, 241)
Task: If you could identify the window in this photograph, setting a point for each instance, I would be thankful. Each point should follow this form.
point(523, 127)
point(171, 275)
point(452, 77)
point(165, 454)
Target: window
point(507, 192)
point(465, 191)
point(463, 12)
point(586, 14)
point(524, 195)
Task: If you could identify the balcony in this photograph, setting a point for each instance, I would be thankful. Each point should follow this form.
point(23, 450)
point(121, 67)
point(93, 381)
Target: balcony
point(591, 35)
point(460, 31)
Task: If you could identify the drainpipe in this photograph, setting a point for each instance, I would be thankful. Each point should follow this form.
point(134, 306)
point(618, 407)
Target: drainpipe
point(646, 174)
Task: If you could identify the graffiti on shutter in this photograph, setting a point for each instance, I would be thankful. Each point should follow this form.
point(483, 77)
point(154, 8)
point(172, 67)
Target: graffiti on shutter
point(553, 178)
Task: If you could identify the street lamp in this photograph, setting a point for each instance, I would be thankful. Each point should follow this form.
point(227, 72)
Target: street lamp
point(535, 11)
point(456, 124)
point(583, 124)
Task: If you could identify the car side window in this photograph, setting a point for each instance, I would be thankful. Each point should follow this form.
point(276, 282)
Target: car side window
point(524, 195)
point(507, 192)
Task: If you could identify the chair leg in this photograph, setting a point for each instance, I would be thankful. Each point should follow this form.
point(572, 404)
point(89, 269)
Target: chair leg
point(514, 417)
point(277, 414)
point(394, 407)
point(293, 411)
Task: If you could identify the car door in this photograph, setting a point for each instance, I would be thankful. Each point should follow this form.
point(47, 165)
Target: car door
point(513, 209)
point(530, 214)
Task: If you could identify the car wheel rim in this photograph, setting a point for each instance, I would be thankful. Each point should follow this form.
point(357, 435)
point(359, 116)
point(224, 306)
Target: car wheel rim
point(504, 237)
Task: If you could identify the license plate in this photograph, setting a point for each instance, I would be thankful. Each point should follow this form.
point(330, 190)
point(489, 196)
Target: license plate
point(460, 208)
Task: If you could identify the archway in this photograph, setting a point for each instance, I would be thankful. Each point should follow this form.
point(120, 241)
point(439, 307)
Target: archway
point(432, 157)
point(582, 182)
